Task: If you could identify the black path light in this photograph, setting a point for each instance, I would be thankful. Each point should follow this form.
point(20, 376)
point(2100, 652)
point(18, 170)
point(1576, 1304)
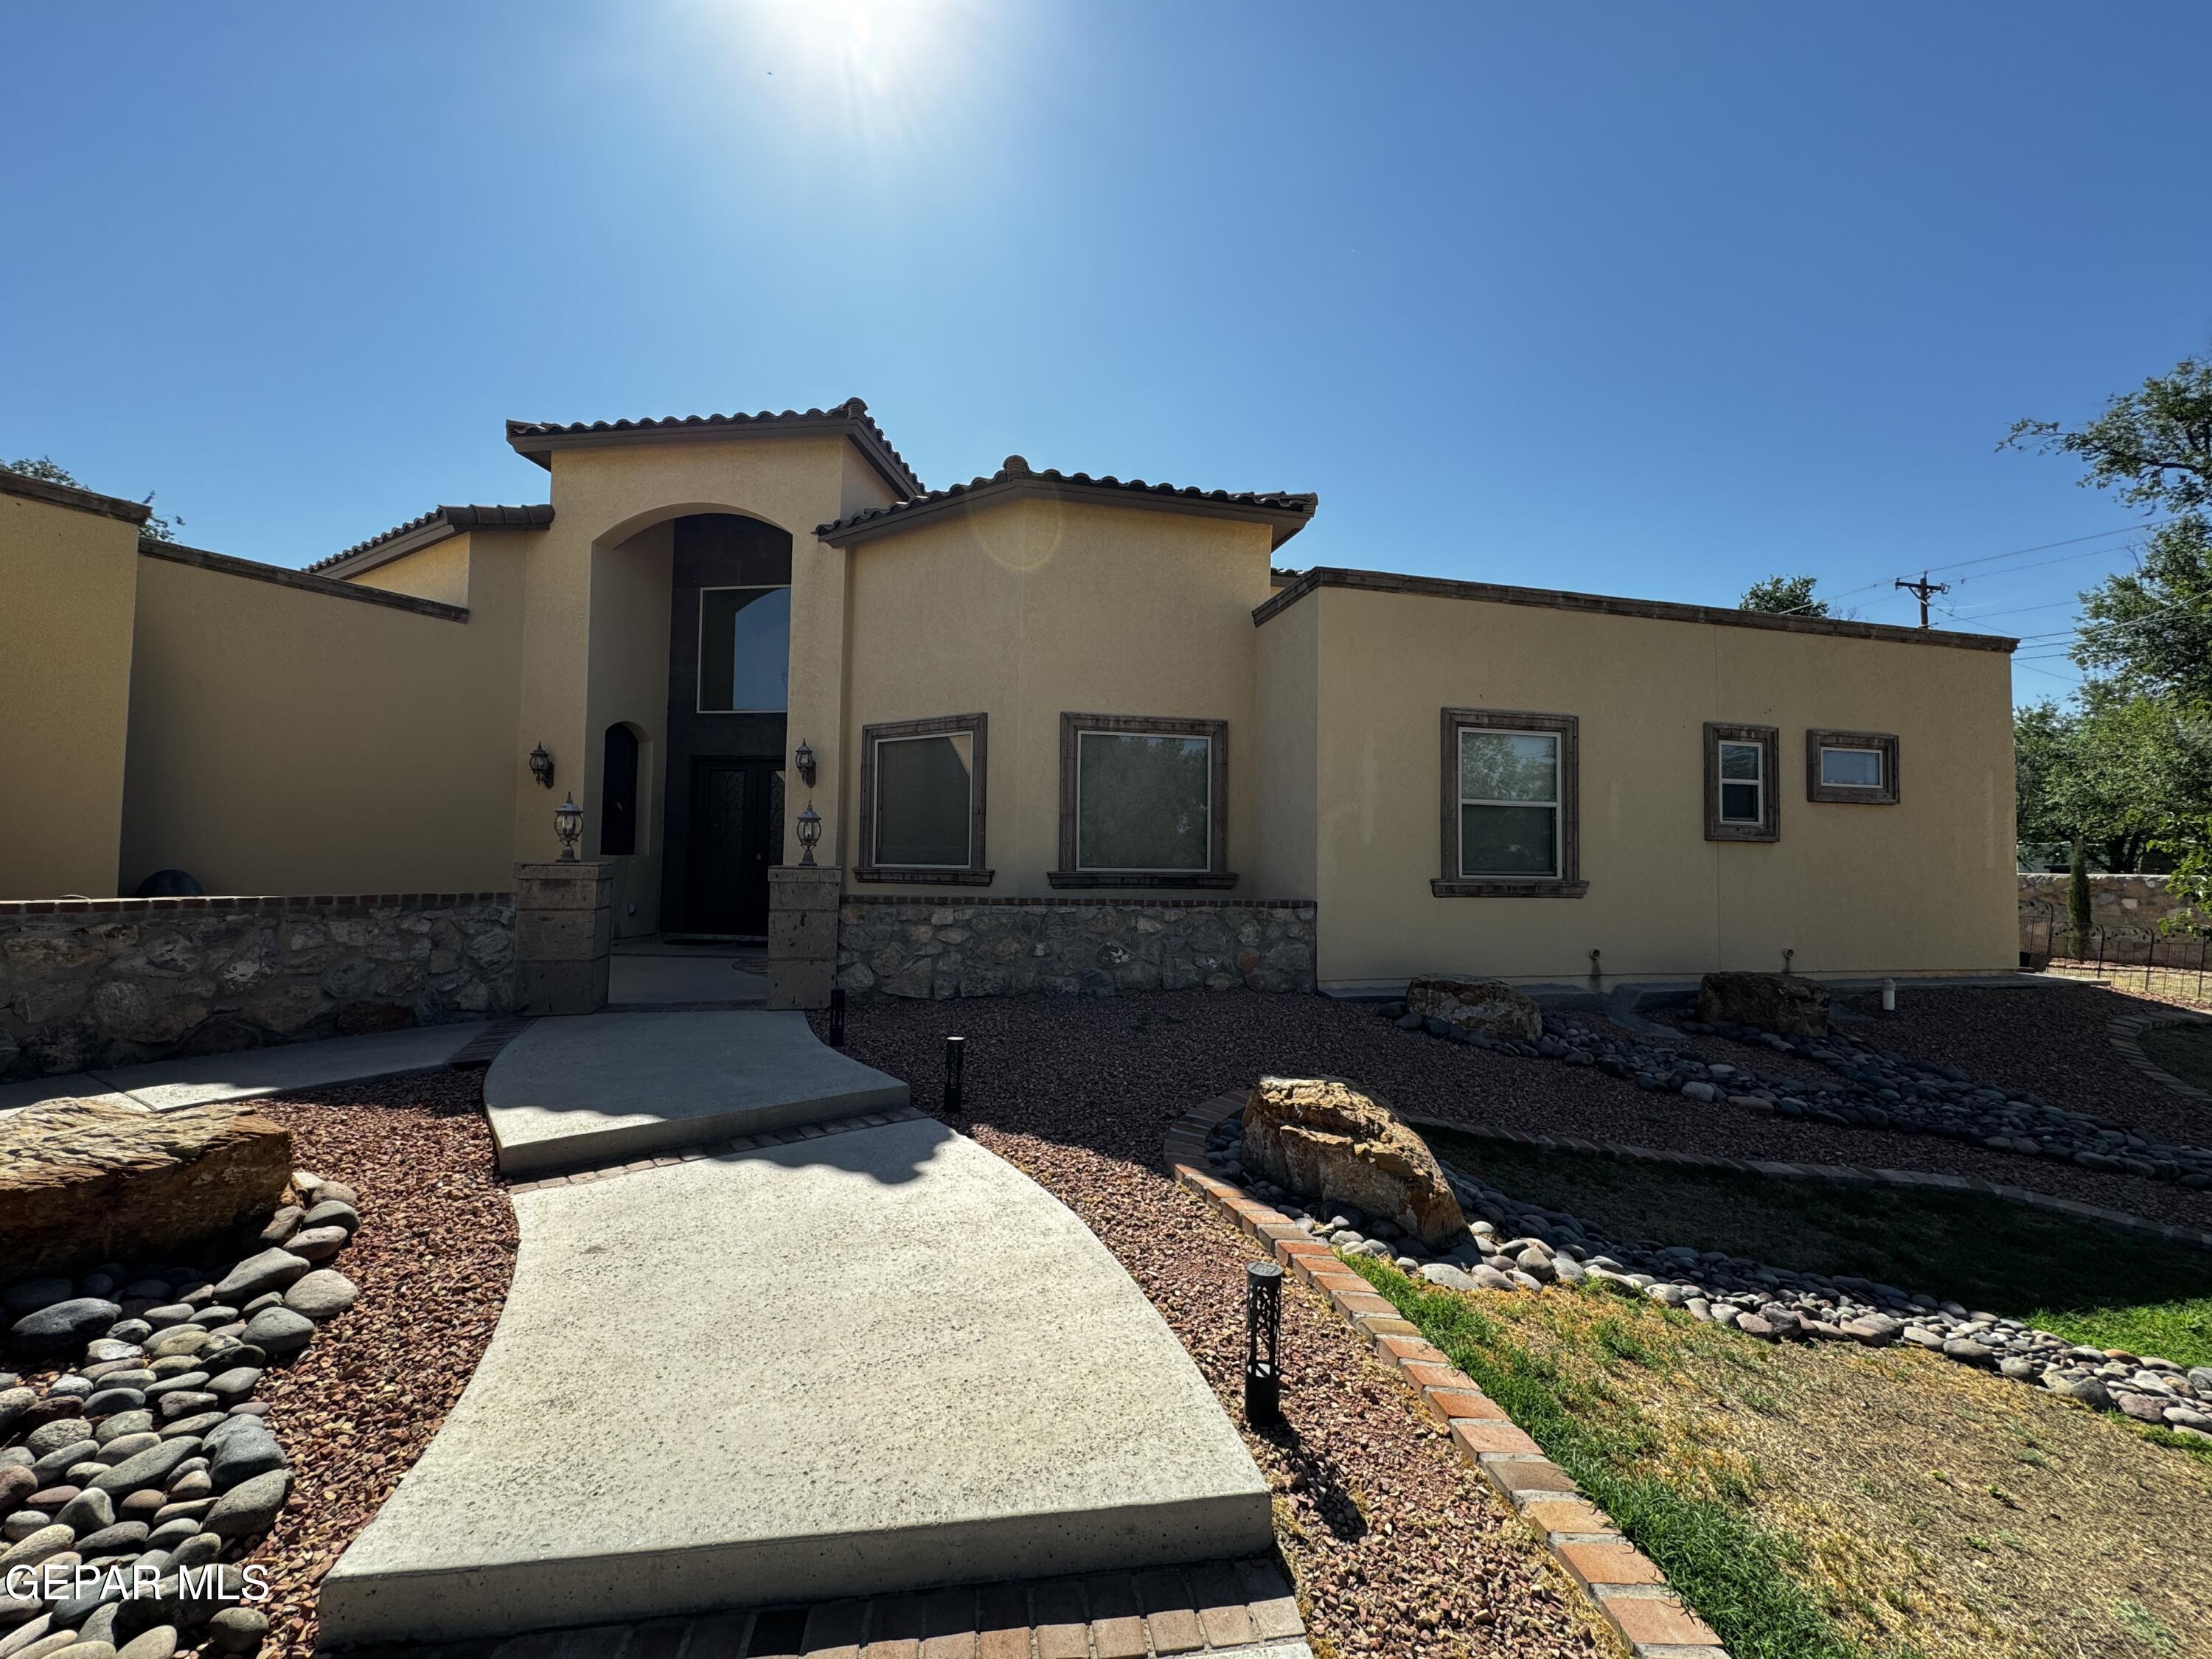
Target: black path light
point(955, 1048)
point(1263, 1343)
point(836, 1017)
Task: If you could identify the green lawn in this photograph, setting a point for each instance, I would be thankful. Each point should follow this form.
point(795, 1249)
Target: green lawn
point(2083, 1282)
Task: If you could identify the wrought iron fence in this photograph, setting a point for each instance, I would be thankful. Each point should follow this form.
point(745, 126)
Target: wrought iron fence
point(2176, 966)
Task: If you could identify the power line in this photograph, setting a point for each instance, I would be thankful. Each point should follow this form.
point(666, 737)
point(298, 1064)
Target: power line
point(1991, 558)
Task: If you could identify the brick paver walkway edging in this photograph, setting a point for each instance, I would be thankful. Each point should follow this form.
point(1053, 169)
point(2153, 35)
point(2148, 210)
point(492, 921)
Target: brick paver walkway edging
point(1216, 1610)
point(2127, 1031)
point(1841, 1174)
point(1620, 1581)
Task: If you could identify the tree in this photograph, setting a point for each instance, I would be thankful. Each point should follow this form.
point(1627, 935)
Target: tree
point(2115, 771)
point(155, 529)
point(1783, 596)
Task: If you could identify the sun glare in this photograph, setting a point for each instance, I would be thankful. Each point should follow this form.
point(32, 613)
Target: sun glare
point(878, 66)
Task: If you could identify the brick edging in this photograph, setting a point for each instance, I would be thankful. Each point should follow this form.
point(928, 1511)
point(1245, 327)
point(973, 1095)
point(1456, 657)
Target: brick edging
point(2126, 1031)
point(257, 902)
point(957, 900)
point(1840, 1173)
point(1619, 1580)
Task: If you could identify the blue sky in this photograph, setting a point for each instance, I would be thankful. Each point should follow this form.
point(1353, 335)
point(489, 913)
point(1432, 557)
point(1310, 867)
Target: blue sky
point(1641, 298)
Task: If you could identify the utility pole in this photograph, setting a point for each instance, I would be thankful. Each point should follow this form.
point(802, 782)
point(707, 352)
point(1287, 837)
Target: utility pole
point(1924, 587)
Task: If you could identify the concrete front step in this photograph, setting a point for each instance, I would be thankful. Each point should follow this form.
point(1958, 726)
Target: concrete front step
point(869, 1362)
point(602, 1088)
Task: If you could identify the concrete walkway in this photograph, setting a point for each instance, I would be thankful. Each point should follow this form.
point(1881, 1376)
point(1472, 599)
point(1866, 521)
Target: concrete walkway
point(167, 1086)
point(874, 1360)
point(605, 1087)
point(657, 973)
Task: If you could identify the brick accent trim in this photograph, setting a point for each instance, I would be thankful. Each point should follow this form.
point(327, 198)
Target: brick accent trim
point(1552, 599)
point(270, 902)
point(1768, 738)
point(1071, 874)
point(1882, 743)
point(224, 564)
point(1620, 1582)
point(2127, 1030)
point(977, 872)
point(1450, 882)
point(1840, 1173)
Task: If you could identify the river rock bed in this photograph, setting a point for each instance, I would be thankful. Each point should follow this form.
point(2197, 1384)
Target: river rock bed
point(1876, 1090)
point(137, 1473)
point(1515, 1247)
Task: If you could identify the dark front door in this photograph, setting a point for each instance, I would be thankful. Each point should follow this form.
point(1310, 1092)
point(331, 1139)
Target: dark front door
point(737, 833)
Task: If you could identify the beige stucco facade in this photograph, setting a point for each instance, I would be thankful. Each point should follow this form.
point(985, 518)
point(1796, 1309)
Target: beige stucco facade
point(367, 725)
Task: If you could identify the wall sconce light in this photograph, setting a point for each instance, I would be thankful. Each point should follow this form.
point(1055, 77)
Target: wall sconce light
point(804, 759)
point(810, 832)
point(569, 824)
point(541, 766)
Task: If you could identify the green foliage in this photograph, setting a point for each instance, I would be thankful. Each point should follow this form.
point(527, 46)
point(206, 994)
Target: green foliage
point(2148, 631)
point(2114, 770)
point(1783, 596)
point(2154, 446)
point(155, 529)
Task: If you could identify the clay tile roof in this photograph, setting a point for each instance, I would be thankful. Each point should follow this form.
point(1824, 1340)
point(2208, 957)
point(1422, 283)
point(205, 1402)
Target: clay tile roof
point(537, 440)
point(447, 519)
point(1288, 510)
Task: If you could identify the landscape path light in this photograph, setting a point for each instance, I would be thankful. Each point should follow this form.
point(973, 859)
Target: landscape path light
point(1263, 1341)
point(955, 1048)
point(569, 824)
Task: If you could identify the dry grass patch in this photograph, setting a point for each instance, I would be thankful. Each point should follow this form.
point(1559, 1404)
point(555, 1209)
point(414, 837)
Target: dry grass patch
point(1921, 1507)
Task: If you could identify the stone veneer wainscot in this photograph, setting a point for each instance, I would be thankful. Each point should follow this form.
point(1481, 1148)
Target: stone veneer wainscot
point(88, 983)
point(936, 948)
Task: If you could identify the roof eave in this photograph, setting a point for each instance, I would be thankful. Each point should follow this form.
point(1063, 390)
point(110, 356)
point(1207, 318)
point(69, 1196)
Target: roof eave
point(538, 447)
point(1284, 522)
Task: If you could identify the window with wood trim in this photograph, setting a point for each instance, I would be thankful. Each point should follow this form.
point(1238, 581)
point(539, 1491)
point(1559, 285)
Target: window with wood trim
point(1741, 801)
point(1143, 802)
point(1853, 768)
point(922, 801)
point(1510, 806)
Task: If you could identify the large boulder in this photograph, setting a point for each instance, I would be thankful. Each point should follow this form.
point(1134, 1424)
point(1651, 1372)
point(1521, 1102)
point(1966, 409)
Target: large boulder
point(91, 1181)
point(1774, 1002)
point(1480, 1007)
point(1321, 1136)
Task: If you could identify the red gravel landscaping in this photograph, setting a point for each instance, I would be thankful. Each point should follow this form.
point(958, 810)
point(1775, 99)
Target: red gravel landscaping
point(432, 1258)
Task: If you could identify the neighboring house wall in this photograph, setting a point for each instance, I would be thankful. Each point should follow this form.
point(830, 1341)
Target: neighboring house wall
point(102, 985)
point(284, 737)
point(438, 572)
point(1924, 885)
point(1024, 609)
point(69, 573)
point(2134, 906)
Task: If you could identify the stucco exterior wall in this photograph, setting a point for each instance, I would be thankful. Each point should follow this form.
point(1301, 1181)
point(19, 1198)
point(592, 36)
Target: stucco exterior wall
point(603, 496)
point(288, 741)
point(1026, 608)
point(1288, 706)
point(629, 683)
point(68, 586)
point(438, 572)
point(1925, 885)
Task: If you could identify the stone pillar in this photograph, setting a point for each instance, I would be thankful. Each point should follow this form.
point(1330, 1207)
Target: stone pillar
point(802, 934)
point(564, 925)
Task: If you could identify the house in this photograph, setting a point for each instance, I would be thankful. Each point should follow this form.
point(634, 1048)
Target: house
point(1035, 707)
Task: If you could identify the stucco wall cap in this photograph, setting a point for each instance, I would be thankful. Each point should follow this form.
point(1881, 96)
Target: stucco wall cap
point(536, 440)
point(434, 526)
point(84, 500)
point(1286, 511)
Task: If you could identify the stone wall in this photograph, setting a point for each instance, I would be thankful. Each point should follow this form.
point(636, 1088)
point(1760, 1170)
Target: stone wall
point(903, 947)
point(2132, 906)
point(107, 983)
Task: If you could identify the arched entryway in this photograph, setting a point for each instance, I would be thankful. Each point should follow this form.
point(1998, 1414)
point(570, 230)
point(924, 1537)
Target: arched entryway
point(728, 670)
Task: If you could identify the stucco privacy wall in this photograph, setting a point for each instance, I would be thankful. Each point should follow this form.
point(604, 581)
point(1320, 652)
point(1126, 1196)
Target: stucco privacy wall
point(938, 948)
point(601, 498)
point(101, 985)
point(1026, 608)
point(285, 737)
point(69, 573)
point(1923, 886)
point(439, 572)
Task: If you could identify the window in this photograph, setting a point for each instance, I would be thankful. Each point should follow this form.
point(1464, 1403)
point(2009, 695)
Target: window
point(618, 793)
point(745, 649)
point(1142, 802)
point(1509, 805)
point(921, 801)
point(1741, 802)
point(1855, 767)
